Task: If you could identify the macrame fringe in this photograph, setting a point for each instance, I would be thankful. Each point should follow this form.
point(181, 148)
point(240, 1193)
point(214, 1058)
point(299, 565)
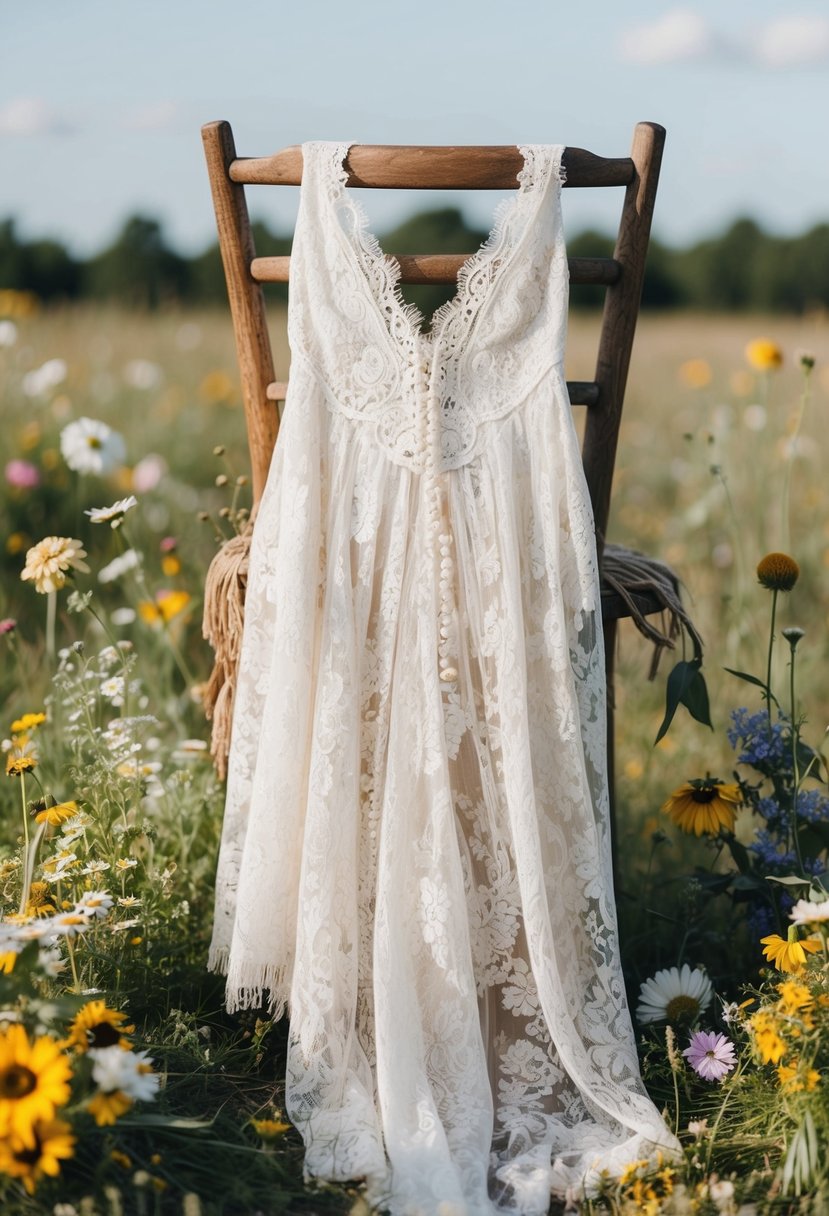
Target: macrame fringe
point(246, 987)
point(222, 626)
point(629, 574)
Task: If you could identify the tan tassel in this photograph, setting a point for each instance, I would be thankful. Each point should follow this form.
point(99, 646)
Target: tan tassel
point(222, 626)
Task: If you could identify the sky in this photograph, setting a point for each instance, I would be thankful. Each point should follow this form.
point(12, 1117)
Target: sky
point(101, 104)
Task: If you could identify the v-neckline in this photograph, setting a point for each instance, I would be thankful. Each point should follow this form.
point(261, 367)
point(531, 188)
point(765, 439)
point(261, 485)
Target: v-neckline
point(381, 272)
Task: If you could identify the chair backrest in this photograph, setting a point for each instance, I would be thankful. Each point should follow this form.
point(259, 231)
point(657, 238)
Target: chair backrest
point(441, 168)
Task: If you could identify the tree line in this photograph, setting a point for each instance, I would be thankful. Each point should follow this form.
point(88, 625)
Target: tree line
point(743, 269)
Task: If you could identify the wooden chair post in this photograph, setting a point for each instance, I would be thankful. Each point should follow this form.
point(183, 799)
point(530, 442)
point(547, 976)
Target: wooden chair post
point(247, 304)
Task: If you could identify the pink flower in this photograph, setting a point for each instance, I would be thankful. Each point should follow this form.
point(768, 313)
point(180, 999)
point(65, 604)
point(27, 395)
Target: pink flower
point(711, 1055)
point(168, 544)
point(22, 474)
point(8, 625)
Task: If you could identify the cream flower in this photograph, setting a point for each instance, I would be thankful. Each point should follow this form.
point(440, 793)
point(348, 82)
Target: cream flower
point(805, 912)
point(48, 562)
point(114, 514)
point(90, 446)
point(674, 995)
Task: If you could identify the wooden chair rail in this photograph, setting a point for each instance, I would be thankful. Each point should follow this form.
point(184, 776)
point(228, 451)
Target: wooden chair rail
point(444, 267)
point(582, 392)
point(401, 167)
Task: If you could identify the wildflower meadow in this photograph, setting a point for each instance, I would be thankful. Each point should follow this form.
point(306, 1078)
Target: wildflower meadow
point(125, 1087)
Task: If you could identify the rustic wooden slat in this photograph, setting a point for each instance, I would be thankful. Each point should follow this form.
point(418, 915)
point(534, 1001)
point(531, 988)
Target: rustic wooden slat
point(247, 305)
point(621, 310)
point(402, 167)
point(443, 268)
point(582, 392)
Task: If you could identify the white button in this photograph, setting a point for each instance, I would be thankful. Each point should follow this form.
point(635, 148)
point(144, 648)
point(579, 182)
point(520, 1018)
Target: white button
point(449, 675)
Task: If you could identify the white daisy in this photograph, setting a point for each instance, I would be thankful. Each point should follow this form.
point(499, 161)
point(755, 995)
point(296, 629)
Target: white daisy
point(114, 514)
point(94, 903)
point(130, 1071)
point(674, 995)
point(805, 912)
point(90, 446)
point(119, 565)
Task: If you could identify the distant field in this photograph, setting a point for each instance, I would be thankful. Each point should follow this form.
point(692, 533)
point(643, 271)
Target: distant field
point(181, 398)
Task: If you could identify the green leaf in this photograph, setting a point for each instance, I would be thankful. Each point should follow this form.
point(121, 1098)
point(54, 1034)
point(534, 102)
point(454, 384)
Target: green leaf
point(685, 686)
point(790, 880)
point(743, 675)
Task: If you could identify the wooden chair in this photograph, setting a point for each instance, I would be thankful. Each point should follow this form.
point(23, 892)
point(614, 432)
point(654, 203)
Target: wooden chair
point(441, 168)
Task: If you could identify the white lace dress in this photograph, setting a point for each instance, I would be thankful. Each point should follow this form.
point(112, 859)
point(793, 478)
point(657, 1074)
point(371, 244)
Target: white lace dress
point(415, 856)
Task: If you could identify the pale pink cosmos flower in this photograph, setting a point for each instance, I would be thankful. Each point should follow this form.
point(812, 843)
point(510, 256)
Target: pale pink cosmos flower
point(711, 1055)
point(22, 474)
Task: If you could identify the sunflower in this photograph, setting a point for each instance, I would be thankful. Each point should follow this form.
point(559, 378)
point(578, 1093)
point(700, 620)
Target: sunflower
point(34, 1079)
point(777, 572)
point(97, 1026)
point(53, 1140)
point(788, 955)
point(704, 805)
point(106, 1108)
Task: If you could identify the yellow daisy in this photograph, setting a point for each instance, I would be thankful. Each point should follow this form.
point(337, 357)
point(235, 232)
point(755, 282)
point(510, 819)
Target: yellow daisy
point(106, 1108)
point(270, 1129)
point(34, 1080)
point(704, 805)
point(27, 722)
point(40, 900)
point(788, 955)
point(770, 1044)
point(97, 1026)
point(16, 766)
point(764, 355)
point(167, 604)
point(52, 1141)
point(57, 814)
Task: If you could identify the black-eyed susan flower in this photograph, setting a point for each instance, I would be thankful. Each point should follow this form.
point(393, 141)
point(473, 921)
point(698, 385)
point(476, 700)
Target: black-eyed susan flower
point(57, 814)
point(704, 805)
point(17, 765)
point(34, 1080)
point(52, 1142)
point(674, 995)
point(764, 355)
point(106, 1108)
point(789, 954)
point(96, 1025)
point(778, 572)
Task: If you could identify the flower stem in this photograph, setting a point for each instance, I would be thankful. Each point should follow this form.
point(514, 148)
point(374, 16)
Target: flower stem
point(795, 767)
point(51, 607)
point(787, 482)
point(71, 952)
point(24, 896)
point(771, 650)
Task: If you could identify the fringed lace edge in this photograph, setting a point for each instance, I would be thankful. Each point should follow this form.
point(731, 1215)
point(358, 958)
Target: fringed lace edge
point(247, 983)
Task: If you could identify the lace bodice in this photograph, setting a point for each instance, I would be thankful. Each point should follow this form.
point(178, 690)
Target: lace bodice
point(415, 853)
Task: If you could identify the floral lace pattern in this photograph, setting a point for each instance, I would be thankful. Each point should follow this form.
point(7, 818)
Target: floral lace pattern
point(415, 856)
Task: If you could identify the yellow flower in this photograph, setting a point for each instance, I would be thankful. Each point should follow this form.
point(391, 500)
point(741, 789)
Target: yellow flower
point(167, 604)
point(121, 1159)
point(7, 961)
point(39, 902)
point(795, 999)
point(270, 1129)
point(97, 1026)
point(170, 565)
point(217, 386)
point(58, 813)
point(49, 561)
point(778, 572)
point(34, 1079)
point(52, 1140)
point(27, 722)
point(788, 955)
point(16, 766)
point(790, 1078)
point(704, 805)
point(696, 373)
point(770, 1044)
point(764, 355)
point(106, 1108)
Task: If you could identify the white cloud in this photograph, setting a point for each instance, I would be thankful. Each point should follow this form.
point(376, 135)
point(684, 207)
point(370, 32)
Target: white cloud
point(152, 117)
point(792, 41)
point(680, 34)
point(31, 116)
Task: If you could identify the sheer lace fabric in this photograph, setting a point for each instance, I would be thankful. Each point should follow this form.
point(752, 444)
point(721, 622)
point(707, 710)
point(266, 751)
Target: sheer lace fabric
point(415, 856)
